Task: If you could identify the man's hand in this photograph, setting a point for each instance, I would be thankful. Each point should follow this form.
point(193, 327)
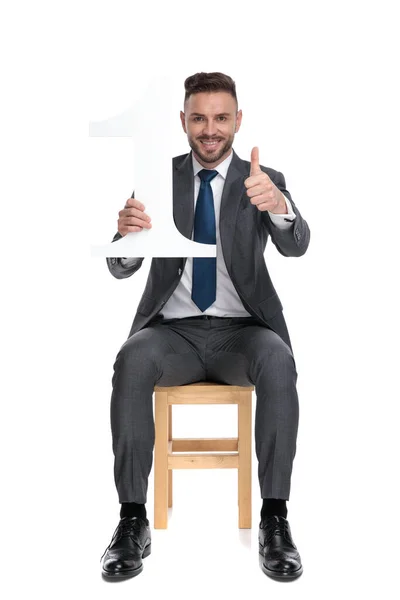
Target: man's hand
point(261, 191)
point(133, 217)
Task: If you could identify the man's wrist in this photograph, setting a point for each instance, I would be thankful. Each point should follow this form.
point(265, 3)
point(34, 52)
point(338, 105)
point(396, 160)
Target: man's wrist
point(281, 209)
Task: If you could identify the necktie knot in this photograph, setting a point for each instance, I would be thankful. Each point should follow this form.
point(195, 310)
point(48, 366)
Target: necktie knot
point(207, 175)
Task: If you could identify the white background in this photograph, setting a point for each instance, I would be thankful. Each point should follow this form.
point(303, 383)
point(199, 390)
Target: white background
point(317, 83)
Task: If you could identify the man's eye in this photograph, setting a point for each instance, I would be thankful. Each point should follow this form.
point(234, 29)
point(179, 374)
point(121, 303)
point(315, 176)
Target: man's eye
point(223, 118)
point(197, 118)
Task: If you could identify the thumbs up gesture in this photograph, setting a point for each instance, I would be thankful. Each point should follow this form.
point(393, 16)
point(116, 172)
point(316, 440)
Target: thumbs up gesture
point(260, 189)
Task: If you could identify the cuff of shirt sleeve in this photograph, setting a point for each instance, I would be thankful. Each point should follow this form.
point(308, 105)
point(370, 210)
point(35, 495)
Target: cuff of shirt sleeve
point(283, 221)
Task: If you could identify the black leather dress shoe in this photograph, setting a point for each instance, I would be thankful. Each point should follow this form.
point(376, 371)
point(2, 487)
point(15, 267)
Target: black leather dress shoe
point(281, 559)
point(130, 543)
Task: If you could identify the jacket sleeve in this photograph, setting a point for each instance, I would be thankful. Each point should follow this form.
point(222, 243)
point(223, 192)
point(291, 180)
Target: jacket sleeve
point(294, 240)
point(123, 267)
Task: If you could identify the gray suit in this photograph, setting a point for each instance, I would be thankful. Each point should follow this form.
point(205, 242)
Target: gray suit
point(243, 351)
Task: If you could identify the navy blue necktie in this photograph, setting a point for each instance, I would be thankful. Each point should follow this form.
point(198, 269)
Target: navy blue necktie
point(204, 279)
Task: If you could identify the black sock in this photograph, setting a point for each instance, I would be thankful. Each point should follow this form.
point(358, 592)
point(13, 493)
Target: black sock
point(273, 506)
point(131, 509)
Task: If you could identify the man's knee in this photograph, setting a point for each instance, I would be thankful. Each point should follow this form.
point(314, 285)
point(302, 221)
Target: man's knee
point(276, 356)
point(139, 351)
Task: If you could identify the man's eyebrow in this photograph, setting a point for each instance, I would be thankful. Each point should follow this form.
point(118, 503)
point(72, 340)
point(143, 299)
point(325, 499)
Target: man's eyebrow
point(196, 114)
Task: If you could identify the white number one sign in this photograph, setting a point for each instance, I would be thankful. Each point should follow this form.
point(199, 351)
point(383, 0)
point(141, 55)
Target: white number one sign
point(151, 123)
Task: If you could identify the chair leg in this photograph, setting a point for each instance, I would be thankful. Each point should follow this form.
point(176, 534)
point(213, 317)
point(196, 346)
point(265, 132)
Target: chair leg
point(244, 469)
point(170, 470)
point(161, 461)
point(170, 488)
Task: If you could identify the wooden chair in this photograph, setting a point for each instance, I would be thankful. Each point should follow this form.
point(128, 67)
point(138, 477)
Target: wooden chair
point(166, 459)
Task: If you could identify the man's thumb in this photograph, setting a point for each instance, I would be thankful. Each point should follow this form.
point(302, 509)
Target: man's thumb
point(255, 164)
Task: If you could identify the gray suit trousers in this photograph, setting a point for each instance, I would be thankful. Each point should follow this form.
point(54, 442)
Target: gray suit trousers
point(234, 351)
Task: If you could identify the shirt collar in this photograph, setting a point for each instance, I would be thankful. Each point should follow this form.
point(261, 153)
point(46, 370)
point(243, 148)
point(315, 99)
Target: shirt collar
point(222, 168)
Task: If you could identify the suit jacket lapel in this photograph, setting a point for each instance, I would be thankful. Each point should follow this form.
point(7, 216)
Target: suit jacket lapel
point(183, 194)
point(230, 202)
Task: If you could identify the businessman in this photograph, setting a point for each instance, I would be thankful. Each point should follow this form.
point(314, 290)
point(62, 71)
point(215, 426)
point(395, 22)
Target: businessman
point(215, 319)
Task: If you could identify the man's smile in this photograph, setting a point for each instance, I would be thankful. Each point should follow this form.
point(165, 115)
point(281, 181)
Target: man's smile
point(210, 144)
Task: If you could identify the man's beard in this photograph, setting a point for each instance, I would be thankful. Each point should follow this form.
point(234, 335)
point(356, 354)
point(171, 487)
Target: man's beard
point(212, 157)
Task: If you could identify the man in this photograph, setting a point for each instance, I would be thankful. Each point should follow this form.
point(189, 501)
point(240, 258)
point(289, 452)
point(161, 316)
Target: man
point(217, 319)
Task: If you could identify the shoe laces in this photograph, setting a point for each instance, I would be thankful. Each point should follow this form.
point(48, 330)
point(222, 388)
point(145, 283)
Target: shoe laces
point(127, 527)
point(276, 527)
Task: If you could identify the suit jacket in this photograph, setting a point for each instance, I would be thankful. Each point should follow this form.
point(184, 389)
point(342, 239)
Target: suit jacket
point(244, 232)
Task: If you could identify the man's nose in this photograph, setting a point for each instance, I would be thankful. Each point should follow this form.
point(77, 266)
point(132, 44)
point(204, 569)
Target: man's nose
point(210, 128)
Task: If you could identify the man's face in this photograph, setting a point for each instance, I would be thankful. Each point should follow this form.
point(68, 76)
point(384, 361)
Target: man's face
point(210, 121)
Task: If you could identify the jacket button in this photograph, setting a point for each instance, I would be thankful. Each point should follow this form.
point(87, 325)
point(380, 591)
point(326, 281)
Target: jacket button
point(179, 271)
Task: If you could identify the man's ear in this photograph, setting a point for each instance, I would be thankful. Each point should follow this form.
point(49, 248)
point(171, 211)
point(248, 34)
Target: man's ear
point(238, 120)
point(183, 121)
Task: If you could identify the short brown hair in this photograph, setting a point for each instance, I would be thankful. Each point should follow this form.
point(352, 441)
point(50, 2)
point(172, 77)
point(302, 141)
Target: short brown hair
point(209, 82)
